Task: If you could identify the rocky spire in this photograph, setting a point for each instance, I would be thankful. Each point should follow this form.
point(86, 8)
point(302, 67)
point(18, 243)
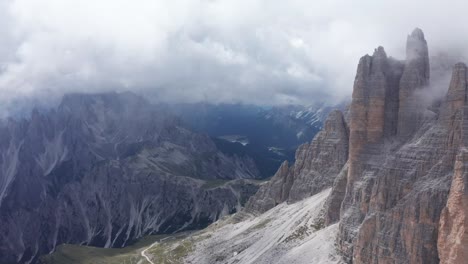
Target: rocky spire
point(374, 107)
point(454, 110)
point(457, 93)
point(415, 76)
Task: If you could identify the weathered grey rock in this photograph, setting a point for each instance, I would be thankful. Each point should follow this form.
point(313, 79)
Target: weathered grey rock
point(455, 98)
point(333, 204)
point(415, 77)
point(316, 167)
point(105, 170)
point(453, 233)
point(273, 192)
point(318, 164)
point(397, 186)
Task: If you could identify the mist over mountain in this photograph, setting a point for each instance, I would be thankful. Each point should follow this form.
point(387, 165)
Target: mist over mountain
point(382, 182)
point(233, 132)
point(107, 169)
point(224, 51)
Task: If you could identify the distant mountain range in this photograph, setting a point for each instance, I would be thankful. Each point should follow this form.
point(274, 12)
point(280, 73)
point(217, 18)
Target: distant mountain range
point(106, 169)
point(268, 135)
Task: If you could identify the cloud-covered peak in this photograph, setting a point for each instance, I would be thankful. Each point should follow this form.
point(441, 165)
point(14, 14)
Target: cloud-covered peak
point(252, 51)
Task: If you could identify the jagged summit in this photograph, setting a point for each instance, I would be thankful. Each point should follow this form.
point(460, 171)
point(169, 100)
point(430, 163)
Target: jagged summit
point(379, 51)
point(416, 48)
point(391, 167)
point(415, 76)
point(397, 184)
point(458, 84)
point(417, 33)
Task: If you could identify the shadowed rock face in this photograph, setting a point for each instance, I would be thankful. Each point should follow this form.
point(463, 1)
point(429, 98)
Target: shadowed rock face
point(104, 170)
point(315, 169)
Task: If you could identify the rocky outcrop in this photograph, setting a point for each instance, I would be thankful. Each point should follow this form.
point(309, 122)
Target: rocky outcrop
point(390, 191)
point(397, 183)
point(333, 204)
point(453, 234)
point(106, 169)
point(415, 76)
point(273, 192)
point(318, 163)
point(315, 169)
point(373, 111)
point(456, 96)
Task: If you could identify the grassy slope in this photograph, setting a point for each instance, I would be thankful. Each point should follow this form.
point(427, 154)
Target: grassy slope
point(171, 249)
point(75, 254)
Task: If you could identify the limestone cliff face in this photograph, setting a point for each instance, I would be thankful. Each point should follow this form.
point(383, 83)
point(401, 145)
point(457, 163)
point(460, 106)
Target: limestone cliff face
point(318, 163)
point(316, 167)
point(415, 76)
point(390, 189)
point(399, 176)
point(273, 192)
point(453, 234)
point(373, 111)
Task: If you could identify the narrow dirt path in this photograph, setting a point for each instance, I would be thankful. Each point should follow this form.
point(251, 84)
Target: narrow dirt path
point(143, 252)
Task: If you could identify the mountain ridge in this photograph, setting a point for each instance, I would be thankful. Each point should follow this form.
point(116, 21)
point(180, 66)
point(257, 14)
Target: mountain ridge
point(106, 169)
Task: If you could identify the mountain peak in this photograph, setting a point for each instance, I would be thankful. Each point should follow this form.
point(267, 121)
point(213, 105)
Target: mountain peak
point(415, 76)
point(455, 100)
point(417, 34)
point(379, 52)
point(416, 46)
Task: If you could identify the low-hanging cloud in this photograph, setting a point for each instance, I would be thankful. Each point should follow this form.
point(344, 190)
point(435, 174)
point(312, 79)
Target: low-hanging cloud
point(252, 51)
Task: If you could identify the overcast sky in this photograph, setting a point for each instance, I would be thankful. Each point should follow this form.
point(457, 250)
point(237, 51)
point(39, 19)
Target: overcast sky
point(252, 51)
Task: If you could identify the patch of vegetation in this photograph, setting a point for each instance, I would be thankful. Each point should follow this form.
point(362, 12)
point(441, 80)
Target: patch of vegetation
point(258, 226)
point(76, 254)
point(220, 258)
point(210, 184)
point(305, 230)
point(299, 233)
point(202, 237)
point(318, 224)
point(172, 252)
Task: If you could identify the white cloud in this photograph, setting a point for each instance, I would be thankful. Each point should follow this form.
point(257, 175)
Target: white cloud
point(254, 51)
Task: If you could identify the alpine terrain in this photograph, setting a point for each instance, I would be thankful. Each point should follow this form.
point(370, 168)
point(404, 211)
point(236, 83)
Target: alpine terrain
point(105, 170)
point(384, 181)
